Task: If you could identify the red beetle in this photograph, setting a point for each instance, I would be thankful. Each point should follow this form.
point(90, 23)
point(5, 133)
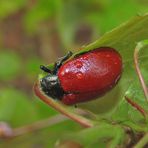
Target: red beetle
point(84, 77)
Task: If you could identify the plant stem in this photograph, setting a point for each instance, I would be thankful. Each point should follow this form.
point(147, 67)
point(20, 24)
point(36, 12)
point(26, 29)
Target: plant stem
point(138, 47)
point(143, 141)
point(39, 125)
point(135, 105)
point(8, 132)
point(134, 126)
point(61, 108)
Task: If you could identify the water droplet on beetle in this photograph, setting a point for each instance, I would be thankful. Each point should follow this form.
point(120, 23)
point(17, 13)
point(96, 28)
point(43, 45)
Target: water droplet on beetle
point(79, 75)
point(62, 73)
point(108, 55)
point(67, 70)
point(78, 64)
point(85, 58)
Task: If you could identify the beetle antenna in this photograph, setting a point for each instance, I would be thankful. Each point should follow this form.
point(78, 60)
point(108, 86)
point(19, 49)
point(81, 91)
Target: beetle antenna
point(45, 69)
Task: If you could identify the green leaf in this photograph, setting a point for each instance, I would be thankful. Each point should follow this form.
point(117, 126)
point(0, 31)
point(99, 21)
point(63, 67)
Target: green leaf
point(16, 108)
point(90, 136)
point(10, 65)
point(112, 14)
point(124, 111)
point(135, 93)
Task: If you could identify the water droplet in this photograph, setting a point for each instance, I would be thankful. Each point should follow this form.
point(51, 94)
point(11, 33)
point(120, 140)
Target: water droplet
point(79, 75)
point(85, 58)
point(78, 64)
point(67, 70)
point(62, 73)
point(108, 56)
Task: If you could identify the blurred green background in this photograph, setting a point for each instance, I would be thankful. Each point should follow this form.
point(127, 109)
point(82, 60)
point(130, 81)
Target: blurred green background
point(34, 32)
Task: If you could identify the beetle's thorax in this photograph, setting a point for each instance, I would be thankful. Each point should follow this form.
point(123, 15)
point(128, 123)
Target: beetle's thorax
point(51, 86)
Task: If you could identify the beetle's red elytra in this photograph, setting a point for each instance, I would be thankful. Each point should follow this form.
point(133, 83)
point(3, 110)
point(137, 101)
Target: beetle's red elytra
point(83, 78)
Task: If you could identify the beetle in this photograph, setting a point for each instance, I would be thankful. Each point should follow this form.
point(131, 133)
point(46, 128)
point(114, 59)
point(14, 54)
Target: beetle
point(84, 77)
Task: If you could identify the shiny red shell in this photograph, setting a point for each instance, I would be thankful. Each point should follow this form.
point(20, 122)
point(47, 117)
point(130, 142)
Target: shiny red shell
point(90, 75)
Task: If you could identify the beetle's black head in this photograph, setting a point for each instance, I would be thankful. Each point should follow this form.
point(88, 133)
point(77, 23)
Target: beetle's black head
point(51, 86)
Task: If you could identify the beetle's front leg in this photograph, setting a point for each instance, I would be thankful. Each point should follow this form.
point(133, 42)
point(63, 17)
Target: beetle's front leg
point(59, 63)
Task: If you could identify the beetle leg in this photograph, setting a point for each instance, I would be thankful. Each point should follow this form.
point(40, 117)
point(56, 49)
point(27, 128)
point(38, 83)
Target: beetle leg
point(45, 69)
point(59, 63)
